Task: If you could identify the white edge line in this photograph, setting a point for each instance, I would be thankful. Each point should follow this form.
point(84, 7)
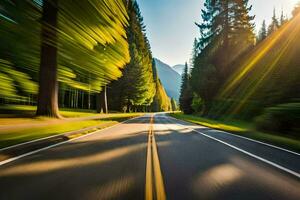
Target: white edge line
point(264, 143)
point(57, 144)
point(270, 145)
point(252, 155)
point(248, 153)
point(43, 138)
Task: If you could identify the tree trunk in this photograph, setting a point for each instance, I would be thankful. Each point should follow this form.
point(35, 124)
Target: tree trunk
point(101, 104)
point(48, 87)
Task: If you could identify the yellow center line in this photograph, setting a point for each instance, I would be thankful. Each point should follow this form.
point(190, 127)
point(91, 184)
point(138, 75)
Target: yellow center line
point(153, 170)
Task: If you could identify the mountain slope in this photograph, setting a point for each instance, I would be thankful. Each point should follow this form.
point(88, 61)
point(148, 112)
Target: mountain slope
point(170, 79)
point(179, 69)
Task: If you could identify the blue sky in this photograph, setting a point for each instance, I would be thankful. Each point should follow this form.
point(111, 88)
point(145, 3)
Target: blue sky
point(171, 29)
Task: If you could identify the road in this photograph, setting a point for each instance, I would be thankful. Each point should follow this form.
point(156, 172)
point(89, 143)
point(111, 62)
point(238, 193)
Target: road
point(154, 157)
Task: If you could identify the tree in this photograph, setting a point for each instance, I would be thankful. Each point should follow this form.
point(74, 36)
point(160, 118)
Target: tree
point(136, 88)
point(274, 24)
point(226, 33)
point(48, 86)
point(173, 104)
point(262, 32)
point(90, 42)
point(283, 19)
point(186, 97)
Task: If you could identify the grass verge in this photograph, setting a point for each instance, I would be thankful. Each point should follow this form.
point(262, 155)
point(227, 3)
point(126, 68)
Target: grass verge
point(29, 111)
point(244, 129)
point(12, 136)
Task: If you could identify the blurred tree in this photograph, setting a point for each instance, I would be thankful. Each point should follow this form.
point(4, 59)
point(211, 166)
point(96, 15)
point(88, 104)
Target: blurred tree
point(262, 32)
point(174, 104)
point(283, 19)
point(48, 86)
point(136, 89)
point(274, 24)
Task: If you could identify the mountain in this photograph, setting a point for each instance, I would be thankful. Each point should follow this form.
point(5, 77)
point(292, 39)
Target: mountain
point(179, 69)
point(170, 79)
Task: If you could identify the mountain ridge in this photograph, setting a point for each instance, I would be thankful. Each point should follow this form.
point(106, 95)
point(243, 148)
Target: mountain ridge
point(171, 79)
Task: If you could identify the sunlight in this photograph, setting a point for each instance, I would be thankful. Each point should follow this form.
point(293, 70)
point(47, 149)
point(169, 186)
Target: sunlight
point(216, 178)
point(256, 72)
point(50, 165)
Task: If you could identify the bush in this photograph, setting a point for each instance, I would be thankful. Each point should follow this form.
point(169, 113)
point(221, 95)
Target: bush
point(197, 103)
point(282, 118)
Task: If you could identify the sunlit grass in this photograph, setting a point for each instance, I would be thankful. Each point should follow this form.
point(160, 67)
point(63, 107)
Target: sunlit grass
point(245, 129)
point(11, 136)
point(231, 126)
point(15, 129)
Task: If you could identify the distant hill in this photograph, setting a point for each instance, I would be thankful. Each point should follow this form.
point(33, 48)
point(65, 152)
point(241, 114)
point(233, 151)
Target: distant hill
point(170, 79)
point(179, 69)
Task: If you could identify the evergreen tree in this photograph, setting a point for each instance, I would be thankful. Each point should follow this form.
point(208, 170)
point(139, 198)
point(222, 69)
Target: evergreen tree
point(262, 32)
point(186, 97)
point(174, 104)
point(283, 19)
point(226, 32)
point(274, 24)
point(136, 88)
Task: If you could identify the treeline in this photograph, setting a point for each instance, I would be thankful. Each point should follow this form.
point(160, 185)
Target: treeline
point(236, 74)
point(139, 89)
point(63, 53)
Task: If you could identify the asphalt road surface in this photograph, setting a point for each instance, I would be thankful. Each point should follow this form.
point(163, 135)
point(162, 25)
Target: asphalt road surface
point(154, 157)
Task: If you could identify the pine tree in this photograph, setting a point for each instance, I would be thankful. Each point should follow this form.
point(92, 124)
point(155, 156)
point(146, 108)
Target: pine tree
point(186, 97)
point(274, 24)
point(283, 19)
point(136, 88)
point(243, 29)
point(226, 32)
point(262, 32)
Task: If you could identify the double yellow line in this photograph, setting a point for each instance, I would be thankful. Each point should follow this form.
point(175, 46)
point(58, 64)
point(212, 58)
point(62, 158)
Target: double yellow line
point(154, 181)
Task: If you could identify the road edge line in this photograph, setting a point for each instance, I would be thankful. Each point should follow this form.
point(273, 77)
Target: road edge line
point(251, 154)
point(239, 136)
point(61, 143)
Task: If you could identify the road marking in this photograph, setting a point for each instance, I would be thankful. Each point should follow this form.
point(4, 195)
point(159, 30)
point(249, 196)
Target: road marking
point(246, 152)
point(57, 144)
point(263, 143)
point(149, 175)
point(153, 168)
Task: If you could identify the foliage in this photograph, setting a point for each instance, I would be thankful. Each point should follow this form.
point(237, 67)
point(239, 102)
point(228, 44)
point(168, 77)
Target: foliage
point(283, 118)
point(91, 42)
point(226, 32)
point(197, 104)
point(274, 24)
point(136, 88)
point(174, 104)
point(186, 95)
point(262, 32)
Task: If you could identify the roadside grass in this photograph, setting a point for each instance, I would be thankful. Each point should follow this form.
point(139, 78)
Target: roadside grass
point(18, 123)
point(12, 137)
point(245, 129)
point(25, 111)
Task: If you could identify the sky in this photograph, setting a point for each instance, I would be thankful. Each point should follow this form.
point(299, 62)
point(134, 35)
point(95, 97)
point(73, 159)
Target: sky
point(171, 29)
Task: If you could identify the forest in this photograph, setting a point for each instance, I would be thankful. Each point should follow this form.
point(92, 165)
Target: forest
point(236, 74)
point(91, 55)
